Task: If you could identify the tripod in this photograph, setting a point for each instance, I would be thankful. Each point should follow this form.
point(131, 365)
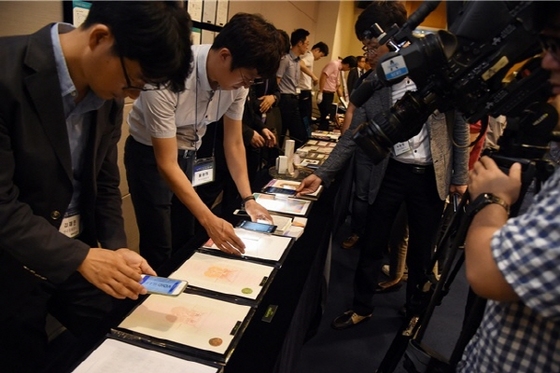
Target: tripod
point(431, 292)
point(456, 220)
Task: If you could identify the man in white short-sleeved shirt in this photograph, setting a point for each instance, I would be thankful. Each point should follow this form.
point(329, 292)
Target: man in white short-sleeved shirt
point(166, 130)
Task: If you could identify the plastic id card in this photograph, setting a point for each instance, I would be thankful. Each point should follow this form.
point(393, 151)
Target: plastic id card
point(203, 171)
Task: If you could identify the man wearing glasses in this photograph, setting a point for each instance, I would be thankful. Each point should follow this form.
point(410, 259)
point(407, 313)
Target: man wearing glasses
point(61, 226)
point(419, 173)
point(514, 262)
point(166, 130)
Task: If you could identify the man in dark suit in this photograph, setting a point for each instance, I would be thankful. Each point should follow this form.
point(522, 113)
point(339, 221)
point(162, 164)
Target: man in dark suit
point(355, 73)
point(62, 240)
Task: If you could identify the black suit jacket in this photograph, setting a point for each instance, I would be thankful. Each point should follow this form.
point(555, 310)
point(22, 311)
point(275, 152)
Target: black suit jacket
point(352, 79)
point(35, 172)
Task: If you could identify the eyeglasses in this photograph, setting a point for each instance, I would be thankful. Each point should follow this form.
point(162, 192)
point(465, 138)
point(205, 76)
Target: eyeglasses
point(129, 85)
point(249, 82)
point(550, 44)
point(370, 50)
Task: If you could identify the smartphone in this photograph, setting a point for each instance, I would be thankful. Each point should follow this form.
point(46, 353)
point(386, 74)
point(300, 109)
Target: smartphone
point(276, 190)
point(163, 285)
point(257, 227)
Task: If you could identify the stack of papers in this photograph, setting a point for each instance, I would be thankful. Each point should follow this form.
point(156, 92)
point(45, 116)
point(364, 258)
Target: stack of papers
point(222, 275)
point(259, 245)
point(282, 223)
point(120, 357)
point(289, 206)
point(188, 319)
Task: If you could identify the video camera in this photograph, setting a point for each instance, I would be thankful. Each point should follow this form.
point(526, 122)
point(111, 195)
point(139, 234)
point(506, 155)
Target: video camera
point(486, 64)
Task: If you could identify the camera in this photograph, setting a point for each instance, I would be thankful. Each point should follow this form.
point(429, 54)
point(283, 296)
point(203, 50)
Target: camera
point(488, 63)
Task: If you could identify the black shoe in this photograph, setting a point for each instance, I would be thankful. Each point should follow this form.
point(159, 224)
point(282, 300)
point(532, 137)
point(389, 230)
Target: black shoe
point(348, 319)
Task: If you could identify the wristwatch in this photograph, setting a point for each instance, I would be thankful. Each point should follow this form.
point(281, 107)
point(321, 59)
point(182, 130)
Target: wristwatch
point(483, 200)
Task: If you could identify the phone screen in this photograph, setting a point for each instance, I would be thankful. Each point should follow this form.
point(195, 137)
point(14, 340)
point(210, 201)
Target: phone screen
point(257, 227)
point(163, 285)
point(276, 190)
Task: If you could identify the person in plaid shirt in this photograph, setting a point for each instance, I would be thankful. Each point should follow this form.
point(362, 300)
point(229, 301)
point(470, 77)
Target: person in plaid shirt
point(515, 263)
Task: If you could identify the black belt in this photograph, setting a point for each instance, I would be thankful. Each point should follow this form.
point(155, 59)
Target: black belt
point(289, 95)
point(188, 153)
point(414, 168)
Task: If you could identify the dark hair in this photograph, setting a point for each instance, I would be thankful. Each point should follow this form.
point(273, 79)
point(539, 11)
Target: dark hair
point(298, 35)
point(322, 47)
point(350, 61)
point(359, 58)
point(384, 13)
point(546, 14)
point(157, 34)
point(286, 40)
point(253, 42)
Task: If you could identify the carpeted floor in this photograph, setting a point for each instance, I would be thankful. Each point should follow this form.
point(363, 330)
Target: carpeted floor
point(361, 349)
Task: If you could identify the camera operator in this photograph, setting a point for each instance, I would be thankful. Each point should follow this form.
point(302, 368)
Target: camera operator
point(514, 263)
point(420, 172)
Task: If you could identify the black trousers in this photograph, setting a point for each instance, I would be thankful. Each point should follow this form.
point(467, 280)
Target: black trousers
point(164, 223)
point(306, 109)
point(418, 190)
point(76, 303)
point(291, 119)
point(325, 108)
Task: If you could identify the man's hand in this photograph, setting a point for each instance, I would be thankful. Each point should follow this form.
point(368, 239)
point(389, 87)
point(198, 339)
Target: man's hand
point(257, 141)
point(266, 102)
point(257, 212)
point(486, 177)
point(457, 189)
point(117, 273)
point(319, 97)
point(223, 235)
point(308, 185)
point(269, 137)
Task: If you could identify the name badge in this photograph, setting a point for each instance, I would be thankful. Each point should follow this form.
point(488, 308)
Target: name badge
point(70, 226)
point(203, 171)
point(401, 148)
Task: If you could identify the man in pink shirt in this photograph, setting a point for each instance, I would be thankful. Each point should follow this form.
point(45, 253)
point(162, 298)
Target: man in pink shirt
point(329, 83)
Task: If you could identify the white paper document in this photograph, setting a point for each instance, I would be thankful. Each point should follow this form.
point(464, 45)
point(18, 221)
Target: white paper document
point(223, 275)
point(291, 206)
point(188, 319)
point(259, 245)
point(120, 357)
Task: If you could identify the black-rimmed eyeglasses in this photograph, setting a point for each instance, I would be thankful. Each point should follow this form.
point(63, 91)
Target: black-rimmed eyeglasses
point(249, 82)
point(129, 85)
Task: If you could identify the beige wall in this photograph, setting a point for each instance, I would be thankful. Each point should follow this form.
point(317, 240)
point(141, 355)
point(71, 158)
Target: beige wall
point(24, 17)
point(331, 22)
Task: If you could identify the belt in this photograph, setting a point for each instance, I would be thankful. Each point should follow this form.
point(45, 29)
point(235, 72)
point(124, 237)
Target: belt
point(289, 95)
point(414, 168)
point(418, 169)
point(184, 153)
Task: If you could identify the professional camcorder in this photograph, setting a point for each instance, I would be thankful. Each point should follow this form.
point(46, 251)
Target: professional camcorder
point(486, 64)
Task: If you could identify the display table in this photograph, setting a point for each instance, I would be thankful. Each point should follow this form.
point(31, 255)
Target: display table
point(282, 320)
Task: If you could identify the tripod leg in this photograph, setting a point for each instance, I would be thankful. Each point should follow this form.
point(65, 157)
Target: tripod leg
point(428, 296)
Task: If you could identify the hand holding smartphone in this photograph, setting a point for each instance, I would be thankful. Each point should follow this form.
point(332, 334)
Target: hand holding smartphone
point(163, 285)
